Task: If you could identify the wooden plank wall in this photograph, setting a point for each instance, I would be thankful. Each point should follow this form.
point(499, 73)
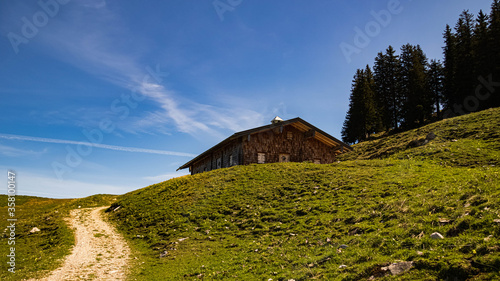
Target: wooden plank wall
point(301, 147)
point(209, 162)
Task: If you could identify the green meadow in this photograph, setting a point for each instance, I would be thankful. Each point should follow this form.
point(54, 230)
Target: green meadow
point(344, 221)
point(349, 220)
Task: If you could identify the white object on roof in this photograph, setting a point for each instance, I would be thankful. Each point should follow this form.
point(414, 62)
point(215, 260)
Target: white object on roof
point(276, 120)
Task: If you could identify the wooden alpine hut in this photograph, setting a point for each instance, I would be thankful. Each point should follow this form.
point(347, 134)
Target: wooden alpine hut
point(293, 140)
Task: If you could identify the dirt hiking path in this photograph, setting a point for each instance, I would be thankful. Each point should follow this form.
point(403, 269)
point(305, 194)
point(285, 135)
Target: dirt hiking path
point(100, 253)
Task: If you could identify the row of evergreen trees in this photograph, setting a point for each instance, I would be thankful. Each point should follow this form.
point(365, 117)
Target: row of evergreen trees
point(407, 90)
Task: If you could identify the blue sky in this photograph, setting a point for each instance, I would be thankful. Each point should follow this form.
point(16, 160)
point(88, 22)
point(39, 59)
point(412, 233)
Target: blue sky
point(151, 84)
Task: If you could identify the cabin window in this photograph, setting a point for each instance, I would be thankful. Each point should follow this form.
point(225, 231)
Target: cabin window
point(219, 163)
point(284, 158)
point(261, 158)
point(289, 135)
point(317, 161)
point(231, 163)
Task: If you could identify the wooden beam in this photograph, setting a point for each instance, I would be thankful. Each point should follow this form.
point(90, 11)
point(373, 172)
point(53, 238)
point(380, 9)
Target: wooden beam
point(310, 134)
point(339, 147)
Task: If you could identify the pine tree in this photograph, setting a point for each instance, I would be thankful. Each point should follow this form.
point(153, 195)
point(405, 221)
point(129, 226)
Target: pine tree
point(450, 67)
point(464, 73)
point(435, 81)
point(494, 50)
point(480, 45)
point(361, 118)
point(352, 129)
point(387, 78)
point(481, 56)
point(417, 97)
point(373, 121)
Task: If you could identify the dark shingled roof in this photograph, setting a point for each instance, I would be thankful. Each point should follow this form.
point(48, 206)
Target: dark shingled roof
point(328, 137)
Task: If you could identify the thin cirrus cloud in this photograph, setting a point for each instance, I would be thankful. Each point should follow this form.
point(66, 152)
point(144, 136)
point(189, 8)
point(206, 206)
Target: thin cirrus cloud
point(16, 152)
point(93, 49)
point(96, 145)
point(50, 187)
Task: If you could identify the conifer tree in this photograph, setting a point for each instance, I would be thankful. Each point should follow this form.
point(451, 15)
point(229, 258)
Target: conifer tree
point(435, 80)
point(352, 130)
point(464, 73)
point(373, 121)
point(450, 56)
point(480, 45)
point(361, 118)
point(494, 50)
point(417, 98)
point(481, 53)
point(387, 78)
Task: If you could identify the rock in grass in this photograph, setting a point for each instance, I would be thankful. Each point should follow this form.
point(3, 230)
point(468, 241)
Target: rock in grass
point(399, 267)
point(343, 246)
point(437, 235)
point(34, 229)
point(443, 221)
point(415, 143)
point(430, 136)
point(342, 266)
point(163, 254)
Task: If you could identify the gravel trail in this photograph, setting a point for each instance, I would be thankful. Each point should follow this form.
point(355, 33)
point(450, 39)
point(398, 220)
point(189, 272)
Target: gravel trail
point(100, 253)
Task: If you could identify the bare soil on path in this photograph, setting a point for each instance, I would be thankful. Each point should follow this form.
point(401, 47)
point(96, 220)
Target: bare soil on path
point(100, 253)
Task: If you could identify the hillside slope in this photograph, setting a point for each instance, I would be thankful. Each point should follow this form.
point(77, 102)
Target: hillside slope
point(469, 140)
point(345, 221)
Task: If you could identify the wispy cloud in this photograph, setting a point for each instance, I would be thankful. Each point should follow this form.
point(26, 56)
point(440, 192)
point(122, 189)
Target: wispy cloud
point(97, 145)
point(181, 117)
point(103, 49)
point(95, 4)
point(16, 152)
point(39, 185)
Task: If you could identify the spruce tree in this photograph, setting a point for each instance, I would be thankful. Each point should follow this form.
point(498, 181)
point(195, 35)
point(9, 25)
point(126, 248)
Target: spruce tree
point(435, 80)
point(387, 78)
point(372, 118)
point(481, 45)
point(494, 51)
point(450, 67)
point(361, 119)
point(464, 73)
point(417, 98)
point(352, 129)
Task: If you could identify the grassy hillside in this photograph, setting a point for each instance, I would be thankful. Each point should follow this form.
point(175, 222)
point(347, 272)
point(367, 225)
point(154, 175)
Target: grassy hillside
point(38, 253)
point(471, 140)
point(344, 221)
